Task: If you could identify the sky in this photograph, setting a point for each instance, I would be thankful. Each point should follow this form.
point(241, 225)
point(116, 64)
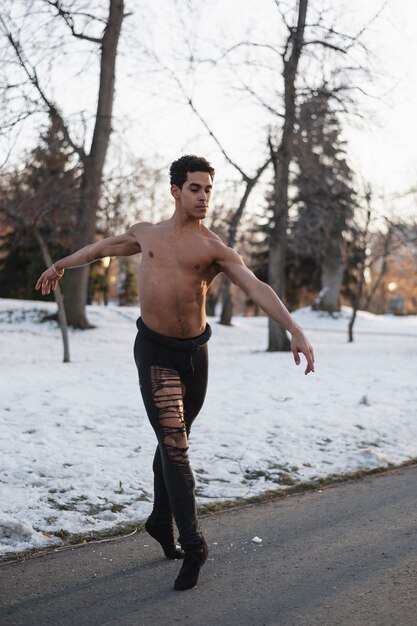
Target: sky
point(151, 120)
point(384, 146)
point(77, 456)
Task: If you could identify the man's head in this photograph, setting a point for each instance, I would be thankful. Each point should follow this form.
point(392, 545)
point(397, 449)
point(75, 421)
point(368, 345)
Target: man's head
point(191, 184)
point(188, 163)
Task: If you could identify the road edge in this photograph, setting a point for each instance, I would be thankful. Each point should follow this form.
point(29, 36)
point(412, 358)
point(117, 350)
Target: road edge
point(125, 530)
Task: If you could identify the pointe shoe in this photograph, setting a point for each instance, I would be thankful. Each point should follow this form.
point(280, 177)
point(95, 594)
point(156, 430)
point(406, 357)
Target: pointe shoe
point(165, 536)
point(194, 559)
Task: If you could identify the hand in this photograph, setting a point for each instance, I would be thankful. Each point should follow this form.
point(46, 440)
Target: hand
point(299, 343)
point(49, 279)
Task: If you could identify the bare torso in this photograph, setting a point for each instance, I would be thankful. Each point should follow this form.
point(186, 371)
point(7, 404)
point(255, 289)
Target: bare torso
point(176, 270)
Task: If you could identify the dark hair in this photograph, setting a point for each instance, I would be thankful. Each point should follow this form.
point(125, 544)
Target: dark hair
point(188, 163)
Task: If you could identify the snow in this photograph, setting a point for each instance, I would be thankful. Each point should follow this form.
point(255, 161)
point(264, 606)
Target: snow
point(76, 447)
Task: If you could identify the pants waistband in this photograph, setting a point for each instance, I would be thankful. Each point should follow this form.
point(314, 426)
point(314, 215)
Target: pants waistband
point(184, 345)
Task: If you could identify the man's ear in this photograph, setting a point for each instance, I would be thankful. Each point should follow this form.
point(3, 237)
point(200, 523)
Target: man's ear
point(175, 192)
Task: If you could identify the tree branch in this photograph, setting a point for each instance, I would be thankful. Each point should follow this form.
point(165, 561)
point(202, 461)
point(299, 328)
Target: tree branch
point(190, 102)
point(283, 17)
point(68, 19)
point(213, 136)
point(34, 80)
point(326, 44)
point(264, 104)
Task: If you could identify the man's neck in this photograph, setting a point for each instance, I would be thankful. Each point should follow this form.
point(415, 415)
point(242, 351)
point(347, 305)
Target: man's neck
point(183, 223)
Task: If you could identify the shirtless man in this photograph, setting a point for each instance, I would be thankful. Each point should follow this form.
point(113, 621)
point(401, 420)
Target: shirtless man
point(180, 259)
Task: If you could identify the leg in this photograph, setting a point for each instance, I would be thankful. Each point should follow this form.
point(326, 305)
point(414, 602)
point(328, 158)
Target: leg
point(194, 391)
point(170, 429)
point(160, 524)
point(161, 507)
point(195, 386)
point(162, 394)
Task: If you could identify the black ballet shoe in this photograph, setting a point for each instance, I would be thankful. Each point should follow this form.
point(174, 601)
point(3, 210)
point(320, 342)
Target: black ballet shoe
point(194, 559)
point(165, 536)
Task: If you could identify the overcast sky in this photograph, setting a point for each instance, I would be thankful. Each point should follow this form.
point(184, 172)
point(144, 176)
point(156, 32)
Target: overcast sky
point(151, 118)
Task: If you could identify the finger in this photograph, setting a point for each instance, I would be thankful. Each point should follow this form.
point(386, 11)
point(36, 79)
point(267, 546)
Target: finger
point(296, 356)
point(310, 363)
point(40, 280)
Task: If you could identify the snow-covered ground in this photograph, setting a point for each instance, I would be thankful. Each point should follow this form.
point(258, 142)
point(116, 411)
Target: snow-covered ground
point(76, 447)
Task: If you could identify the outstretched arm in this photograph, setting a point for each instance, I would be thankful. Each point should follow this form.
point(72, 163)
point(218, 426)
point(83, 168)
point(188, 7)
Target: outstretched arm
point(233, 266)
point(123, 245)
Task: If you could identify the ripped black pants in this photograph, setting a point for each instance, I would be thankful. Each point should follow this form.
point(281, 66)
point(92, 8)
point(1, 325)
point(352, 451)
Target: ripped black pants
point(173, 382)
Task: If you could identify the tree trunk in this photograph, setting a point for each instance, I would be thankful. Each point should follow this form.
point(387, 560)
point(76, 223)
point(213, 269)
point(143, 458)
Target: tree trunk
point(227, 308)
point(211, 301)
point(227, 303)
point(76, 280)
point(332, 272)
point(333, 267)
point(278, 340)
point(58, 297)
point(277, 337)
point(361, 282)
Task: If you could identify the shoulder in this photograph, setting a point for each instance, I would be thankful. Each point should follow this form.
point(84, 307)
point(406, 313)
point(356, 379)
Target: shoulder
point(139, 227)
point(139, 231)
point(218, 248)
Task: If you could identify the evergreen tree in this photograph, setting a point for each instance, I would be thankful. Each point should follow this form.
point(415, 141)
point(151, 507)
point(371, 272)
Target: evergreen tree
point(43, 196)
point(325, 198)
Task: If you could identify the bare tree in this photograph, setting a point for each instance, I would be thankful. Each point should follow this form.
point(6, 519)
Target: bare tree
point(249, 184)
point(307, 41)
point(281, 158)
point(92, 159)
point(362, 246)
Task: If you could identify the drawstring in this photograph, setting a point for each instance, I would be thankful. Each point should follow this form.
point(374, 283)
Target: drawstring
point(191, 363)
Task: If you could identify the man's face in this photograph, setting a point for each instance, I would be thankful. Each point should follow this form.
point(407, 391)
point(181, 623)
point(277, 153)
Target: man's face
point(194, 197)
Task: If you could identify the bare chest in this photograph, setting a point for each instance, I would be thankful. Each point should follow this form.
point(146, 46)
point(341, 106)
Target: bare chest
point(188, 256)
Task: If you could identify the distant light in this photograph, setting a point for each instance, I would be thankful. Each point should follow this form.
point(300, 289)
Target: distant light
point(392, 286)
point(106, 261)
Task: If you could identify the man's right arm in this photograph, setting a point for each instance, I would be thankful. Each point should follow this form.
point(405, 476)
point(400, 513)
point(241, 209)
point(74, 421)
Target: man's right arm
point(122, 245)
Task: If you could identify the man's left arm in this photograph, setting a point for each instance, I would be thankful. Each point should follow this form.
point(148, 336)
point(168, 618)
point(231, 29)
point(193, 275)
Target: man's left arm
point(233, 266)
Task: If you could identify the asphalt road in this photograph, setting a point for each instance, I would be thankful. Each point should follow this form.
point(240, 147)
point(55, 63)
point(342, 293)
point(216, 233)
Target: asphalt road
point(345, 556)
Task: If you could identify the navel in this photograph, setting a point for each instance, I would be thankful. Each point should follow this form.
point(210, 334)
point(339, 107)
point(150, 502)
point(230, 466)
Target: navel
point(196, 267)
point(150, 253)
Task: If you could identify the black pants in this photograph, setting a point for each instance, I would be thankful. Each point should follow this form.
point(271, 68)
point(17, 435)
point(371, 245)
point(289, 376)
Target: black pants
point(173, 382)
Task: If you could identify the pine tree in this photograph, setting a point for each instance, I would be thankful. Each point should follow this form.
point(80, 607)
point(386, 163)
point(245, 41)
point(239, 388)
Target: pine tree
point(42, 195)
point(325, 198)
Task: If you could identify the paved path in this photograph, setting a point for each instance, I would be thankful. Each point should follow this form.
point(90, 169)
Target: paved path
point(345, 556)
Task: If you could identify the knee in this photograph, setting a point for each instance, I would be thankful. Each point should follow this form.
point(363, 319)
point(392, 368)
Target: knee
point(176, 446)
point(171, 441)
point(176, 440)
